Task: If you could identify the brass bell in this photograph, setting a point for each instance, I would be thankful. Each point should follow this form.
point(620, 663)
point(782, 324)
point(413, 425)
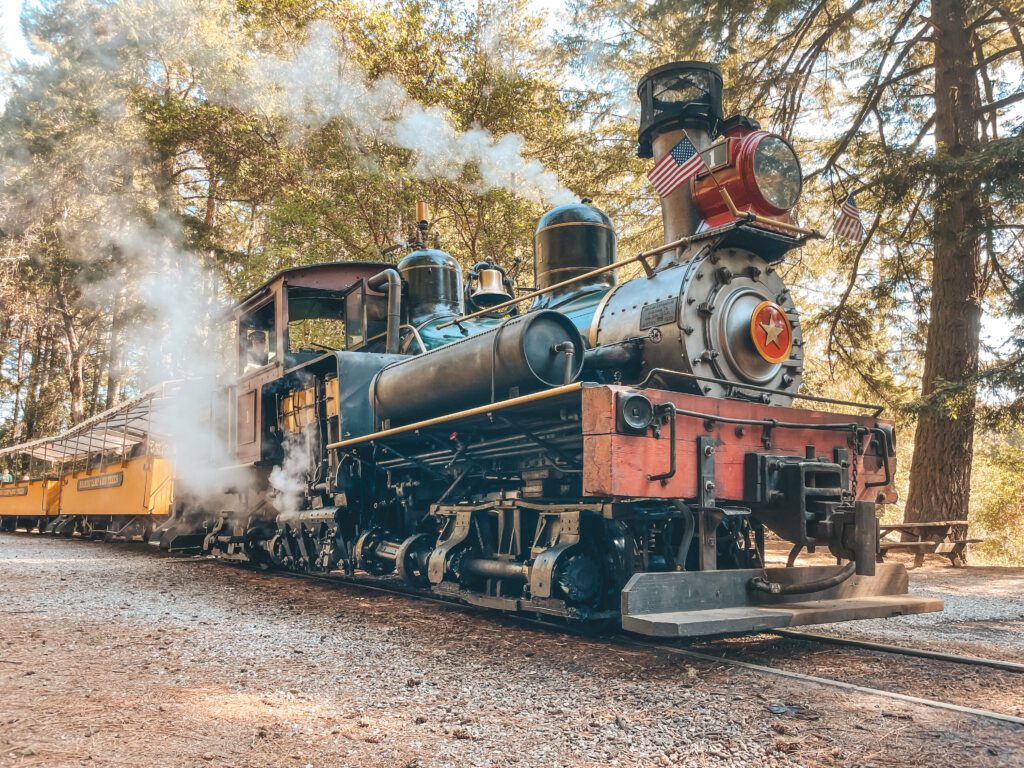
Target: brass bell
point(490, 288)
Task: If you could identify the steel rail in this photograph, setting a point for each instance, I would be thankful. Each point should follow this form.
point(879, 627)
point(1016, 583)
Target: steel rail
point(697, 655)
point(825, 681)
point(674, 650)
point(902, 650)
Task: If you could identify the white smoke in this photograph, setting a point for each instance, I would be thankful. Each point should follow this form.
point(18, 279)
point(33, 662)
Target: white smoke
point(288, 479)
point(322, 81)
point(112, 50)
point(176, 338)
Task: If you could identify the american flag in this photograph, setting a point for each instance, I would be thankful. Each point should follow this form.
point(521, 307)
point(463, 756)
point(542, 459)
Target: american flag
point(676, 168)
point(849, 226)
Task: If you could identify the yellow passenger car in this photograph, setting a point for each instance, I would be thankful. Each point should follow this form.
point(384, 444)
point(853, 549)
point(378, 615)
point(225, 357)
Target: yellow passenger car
point(28, 504)
point(105, 478)
point(118, 500)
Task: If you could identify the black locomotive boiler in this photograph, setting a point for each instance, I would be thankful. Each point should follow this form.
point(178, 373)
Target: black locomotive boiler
point(617, 451)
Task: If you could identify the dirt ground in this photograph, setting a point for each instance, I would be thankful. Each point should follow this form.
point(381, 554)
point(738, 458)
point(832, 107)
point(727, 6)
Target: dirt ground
point(113, 655)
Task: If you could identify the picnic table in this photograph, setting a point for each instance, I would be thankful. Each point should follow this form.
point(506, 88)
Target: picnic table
point(944, 537)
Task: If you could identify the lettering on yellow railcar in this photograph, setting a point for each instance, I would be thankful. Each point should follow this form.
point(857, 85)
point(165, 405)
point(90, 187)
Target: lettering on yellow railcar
point(18, 491)
point(110, 480)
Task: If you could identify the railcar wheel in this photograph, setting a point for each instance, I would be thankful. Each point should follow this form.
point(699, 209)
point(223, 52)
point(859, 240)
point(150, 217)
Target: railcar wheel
point(411, 561)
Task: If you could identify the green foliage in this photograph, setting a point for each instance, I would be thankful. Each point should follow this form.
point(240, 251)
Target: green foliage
point(134, 119)
point(997, 498)
point(123, 117)
point(851, 85)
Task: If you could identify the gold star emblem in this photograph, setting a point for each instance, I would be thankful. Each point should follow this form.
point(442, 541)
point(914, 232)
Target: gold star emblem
point(771, 333)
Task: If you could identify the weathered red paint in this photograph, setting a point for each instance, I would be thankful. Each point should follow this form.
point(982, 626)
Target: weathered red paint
point(618, 465)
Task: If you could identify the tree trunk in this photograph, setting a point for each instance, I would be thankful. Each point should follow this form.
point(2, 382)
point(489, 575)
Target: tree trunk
point(940, 474)
point(19, 375)
point(35, 373)
point(74, 360)
point(115, 373)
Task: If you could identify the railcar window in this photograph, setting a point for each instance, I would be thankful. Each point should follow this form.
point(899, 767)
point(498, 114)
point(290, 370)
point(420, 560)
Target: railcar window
point(316, 320)
point(257, 338)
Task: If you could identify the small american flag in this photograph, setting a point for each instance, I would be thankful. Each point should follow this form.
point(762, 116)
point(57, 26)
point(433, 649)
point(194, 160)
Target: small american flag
point(849, 226)
point(676, 168)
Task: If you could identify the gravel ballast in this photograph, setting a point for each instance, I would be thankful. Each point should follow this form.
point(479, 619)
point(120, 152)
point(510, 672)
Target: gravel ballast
point(116, 655)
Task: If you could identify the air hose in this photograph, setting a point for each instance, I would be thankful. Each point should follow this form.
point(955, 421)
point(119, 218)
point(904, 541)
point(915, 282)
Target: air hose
point(760, 584)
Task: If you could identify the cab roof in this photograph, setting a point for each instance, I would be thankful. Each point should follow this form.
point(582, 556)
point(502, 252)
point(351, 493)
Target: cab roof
point(330, 276)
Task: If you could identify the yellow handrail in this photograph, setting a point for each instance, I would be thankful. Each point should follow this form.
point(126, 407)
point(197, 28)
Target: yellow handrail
point(459, 415)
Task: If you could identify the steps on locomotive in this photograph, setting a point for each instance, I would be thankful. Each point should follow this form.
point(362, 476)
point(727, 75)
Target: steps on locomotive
point(178, 536)
point(690, 604)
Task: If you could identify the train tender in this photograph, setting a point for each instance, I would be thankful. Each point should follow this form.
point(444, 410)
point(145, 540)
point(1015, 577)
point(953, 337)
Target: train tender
point(617, 451)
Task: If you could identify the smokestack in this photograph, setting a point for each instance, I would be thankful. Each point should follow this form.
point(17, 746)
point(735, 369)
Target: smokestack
point(681, 96)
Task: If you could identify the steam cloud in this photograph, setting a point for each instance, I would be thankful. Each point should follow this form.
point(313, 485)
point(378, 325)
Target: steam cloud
point(288, 479)
point(117, 47)
point(322, 81)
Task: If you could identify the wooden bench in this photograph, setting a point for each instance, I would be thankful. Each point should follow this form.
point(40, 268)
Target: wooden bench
point(944, 537)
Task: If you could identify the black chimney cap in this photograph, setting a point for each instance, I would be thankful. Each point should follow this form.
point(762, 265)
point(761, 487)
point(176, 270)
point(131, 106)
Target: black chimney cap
point(677, 95)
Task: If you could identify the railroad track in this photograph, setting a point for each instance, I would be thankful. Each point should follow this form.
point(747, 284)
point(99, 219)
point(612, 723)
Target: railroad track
point(834, 683)
point(920, 653)
point(626, 641)
point(683, 652)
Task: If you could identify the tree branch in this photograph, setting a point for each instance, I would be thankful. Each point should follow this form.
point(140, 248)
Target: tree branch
point(1000, 103)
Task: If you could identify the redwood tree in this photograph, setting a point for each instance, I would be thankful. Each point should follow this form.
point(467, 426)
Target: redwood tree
point(940, 477)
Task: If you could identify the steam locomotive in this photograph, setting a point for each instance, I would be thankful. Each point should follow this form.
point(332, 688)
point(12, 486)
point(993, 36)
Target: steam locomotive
point(616, 452)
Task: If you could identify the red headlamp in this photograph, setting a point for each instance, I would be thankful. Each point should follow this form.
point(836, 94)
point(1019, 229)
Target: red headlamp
point(760, 172)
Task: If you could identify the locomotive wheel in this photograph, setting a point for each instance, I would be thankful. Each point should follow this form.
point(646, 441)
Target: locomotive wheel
point(364, 552)
point(279, 554)
point(579, 578)
point(411, 562)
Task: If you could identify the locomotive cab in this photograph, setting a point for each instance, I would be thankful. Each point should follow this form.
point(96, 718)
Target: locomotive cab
point(295, 318)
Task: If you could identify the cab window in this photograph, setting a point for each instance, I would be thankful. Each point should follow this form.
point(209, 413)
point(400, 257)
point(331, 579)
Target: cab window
point(316, 320)
point(257, 338)
point(316, 334)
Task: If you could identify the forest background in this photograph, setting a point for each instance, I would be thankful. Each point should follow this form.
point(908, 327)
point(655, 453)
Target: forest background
point(159, 159)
